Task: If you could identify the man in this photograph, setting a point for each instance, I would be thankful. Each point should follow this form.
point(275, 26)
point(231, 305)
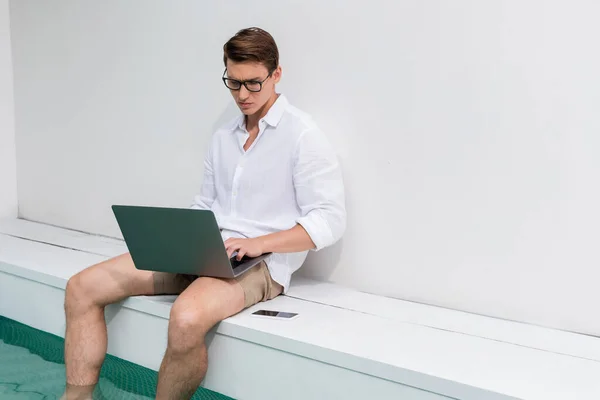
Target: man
point(274, 184)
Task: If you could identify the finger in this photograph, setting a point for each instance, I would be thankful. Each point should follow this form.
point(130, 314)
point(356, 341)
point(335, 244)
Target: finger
point(241, 254)
point(231, 249)
point(230, 243)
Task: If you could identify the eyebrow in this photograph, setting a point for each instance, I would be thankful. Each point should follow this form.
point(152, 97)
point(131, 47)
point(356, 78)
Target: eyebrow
point(251, 79)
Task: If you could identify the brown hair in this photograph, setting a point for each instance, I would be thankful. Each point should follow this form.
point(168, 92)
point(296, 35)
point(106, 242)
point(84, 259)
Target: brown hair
point(252, 45)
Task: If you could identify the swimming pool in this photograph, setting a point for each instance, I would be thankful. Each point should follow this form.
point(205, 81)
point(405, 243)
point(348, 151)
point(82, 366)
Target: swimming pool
point(32, 367)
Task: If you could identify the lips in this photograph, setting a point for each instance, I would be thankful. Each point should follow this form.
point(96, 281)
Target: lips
point(245, 105)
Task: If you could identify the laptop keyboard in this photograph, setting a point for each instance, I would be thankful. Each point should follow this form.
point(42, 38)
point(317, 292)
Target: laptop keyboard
point(235, 263)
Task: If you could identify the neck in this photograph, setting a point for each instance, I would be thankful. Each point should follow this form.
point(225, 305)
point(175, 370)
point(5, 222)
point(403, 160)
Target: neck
point(252, 120)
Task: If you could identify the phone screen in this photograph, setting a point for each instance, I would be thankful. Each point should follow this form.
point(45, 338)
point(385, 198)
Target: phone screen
point(276, 314)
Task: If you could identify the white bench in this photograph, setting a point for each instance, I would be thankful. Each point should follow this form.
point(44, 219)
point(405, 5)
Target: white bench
point(345, 344)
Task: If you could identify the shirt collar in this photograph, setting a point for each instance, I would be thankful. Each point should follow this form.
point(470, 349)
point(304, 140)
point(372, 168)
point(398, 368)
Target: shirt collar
point(273, 115)
point(276, 111)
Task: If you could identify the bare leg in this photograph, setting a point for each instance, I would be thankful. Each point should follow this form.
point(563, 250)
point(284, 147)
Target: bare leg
point(87, 294)
point(202, 305)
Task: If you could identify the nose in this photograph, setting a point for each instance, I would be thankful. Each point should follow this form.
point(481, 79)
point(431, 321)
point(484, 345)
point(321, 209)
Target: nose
point(243, 93)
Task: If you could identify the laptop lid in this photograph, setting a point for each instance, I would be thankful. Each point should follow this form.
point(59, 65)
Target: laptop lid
point(176, 240)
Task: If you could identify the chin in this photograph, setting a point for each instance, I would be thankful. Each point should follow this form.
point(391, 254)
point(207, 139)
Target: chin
point(248, 112)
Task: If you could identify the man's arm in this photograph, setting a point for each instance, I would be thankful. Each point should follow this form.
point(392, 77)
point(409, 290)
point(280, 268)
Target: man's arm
point(288, 241)
point(207, 195)
point(319, 189)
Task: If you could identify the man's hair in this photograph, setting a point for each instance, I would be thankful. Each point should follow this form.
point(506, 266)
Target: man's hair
point(252, 45)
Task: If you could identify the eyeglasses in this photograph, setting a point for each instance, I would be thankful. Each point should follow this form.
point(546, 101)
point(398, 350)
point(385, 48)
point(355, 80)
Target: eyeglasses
point(251, 85)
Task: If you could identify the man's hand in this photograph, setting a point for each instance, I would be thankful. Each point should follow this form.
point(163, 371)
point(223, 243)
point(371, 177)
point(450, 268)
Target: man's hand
point(244, 247)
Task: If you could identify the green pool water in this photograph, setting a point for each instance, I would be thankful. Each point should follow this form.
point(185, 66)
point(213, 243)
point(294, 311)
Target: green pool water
point(32, 367)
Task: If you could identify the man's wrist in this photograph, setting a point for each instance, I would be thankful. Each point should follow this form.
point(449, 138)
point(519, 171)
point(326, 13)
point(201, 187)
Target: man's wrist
point(263, 242)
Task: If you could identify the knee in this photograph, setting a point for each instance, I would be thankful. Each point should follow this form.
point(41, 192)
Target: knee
point(77, 294)
point(187, 328)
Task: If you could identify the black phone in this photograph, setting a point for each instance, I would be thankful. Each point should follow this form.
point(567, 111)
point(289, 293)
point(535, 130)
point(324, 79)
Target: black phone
point(275, 314)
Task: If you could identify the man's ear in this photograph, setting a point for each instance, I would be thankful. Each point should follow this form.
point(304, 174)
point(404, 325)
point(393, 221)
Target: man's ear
point(277, 74)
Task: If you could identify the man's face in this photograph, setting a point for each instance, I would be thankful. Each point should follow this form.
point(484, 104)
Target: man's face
point(251, 102)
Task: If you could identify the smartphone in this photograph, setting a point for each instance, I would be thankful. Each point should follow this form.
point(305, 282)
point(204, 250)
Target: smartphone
point(275, 314)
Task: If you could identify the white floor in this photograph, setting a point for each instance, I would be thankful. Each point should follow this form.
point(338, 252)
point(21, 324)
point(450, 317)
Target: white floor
point(345, 343)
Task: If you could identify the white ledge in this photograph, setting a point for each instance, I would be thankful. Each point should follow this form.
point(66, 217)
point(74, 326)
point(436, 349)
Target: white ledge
point(424, 351)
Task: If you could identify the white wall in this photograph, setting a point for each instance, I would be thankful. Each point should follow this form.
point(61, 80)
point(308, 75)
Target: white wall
point(8, 164)
point(468, 132)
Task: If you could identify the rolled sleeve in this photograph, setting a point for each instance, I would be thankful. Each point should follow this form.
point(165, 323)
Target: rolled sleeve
point(319, 189)
point(207, 195)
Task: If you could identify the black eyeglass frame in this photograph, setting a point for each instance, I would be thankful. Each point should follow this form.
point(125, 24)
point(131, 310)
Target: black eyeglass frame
point(245, 83)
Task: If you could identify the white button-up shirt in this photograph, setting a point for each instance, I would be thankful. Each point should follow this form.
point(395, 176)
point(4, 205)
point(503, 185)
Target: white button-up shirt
point(290, 175)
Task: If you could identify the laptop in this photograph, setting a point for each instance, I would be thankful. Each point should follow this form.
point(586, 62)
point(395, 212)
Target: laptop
point(178, 240)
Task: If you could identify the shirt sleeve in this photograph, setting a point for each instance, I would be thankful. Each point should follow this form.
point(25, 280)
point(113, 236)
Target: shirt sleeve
point(319, 189)
point(207, 195)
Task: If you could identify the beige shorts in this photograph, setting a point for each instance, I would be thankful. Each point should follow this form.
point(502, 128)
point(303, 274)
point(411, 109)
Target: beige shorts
point(257, 284)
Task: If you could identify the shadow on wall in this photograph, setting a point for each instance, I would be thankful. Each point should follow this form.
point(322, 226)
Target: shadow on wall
point(320, 265)
point(231, 111)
